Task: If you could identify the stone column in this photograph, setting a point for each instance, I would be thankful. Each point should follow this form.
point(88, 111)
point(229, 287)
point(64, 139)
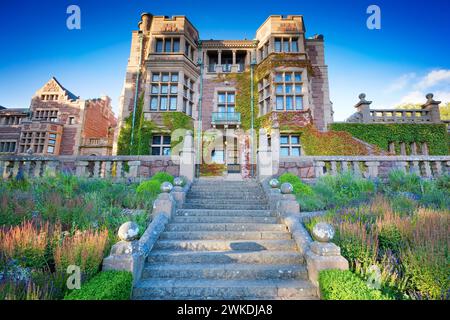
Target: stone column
point(264, 156)
point(187, 157)
point(234, 57)
point(424, 149)
point(15, 169)
point(81, 168)
point(402, 148)
point(392, 146)
point(413, 149)
point(275, 149)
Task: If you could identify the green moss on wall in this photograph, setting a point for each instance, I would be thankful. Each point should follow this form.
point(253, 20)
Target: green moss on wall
point(435, 135)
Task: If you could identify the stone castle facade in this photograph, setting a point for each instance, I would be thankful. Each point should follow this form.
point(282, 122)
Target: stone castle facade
point(58, 123)
point(209, 81)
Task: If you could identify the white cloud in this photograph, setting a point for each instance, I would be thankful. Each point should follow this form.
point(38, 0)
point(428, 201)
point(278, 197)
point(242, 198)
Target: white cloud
point(434, 78)
point(435, 81)
point(401, 83)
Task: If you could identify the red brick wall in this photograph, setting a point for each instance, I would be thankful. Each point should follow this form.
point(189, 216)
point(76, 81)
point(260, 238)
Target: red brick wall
point(98, 118)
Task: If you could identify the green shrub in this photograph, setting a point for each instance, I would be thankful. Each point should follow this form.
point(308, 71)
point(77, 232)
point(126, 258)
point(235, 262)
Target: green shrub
point(390, 238)
point(107, 285)
point(299, 186)
point(404, 182)
point(345, 285)
point(403, 205)
point(152, 187)
point(163, 177)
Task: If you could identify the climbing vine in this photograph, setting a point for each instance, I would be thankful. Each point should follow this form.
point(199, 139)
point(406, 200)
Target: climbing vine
point(144, 130)
point(435, 135)
point(142, 133)
point(281, 60)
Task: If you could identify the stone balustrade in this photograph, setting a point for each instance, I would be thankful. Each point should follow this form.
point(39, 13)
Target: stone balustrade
point(310, 167)
point(115, 167)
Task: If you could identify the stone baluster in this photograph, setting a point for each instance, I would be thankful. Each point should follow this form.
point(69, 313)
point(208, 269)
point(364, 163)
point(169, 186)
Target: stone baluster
point(15, 169)
point(6, 170)
point(344, 166)
point(51, 168)
point(424, 149)
point(413, 148)
point(108, 169)
point(392, 147)
point(2, 168)
point(96, 173)
point(427, 169)
point(401, 165)
point(447, 167)
point(372, 169)
point(134, 169)
point(333, 168)
point(118, 169)
point(415, 168)
point(356, 169)
point(37, 168)
point(402, 148)
point(318, 168)
point(81, 168)
point(437, 168)
point(27, 168)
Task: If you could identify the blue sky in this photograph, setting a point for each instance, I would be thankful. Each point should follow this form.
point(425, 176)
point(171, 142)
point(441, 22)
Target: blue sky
point(403, 61)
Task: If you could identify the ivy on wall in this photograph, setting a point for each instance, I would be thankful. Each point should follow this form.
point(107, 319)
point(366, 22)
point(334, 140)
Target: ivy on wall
point(435, 135)
point(144, 130)
point(243, 98)
point(142, 133)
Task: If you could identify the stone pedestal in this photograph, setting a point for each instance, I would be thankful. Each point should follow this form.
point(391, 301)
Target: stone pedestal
point(187, 158)
point(288, 205)
point(178, 195)
point(165, 204)
point(323, 256)
point(125, 256)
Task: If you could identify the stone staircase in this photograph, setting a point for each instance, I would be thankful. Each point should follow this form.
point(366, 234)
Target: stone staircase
point(225, 244)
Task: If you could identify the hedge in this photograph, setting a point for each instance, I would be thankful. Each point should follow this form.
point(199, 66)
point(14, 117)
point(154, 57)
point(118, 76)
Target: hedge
point(107, 285)
point(435, 135)
point(345, 285)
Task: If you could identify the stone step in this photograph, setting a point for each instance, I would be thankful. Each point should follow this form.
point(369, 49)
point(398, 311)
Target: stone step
point(225, 190)
point(226, 271)
point(224, 289)
point(223, 212)
point(216, 245)
point(225, 235)
point(226, 206)
point(225, 227)
point(231, 201)
point(228, 195)
point(223, 219)
point(222, 257)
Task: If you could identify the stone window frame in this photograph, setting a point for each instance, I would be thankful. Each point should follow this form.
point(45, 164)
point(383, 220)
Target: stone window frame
point(159, 95)
point(225, 90)
point(188, 95)
point(264, 95)
point(191, 54)
point(290, 145)
point(8, 146)
point(293, 83)
point(162, 145)
point(290, 40)
point(38, 141)
point(71, 121)
point(43, 114)
point(164, 41)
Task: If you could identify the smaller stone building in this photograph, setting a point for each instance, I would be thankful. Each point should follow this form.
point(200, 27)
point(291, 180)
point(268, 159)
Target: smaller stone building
point(58, 123)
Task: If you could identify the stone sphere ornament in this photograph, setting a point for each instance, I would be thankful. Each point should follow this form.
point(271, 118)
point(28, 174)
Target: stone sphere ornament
point(128, 231)
point(286, 188)
point(323, 232)
point(178, 181)
point(274, 183)
point(166, 187)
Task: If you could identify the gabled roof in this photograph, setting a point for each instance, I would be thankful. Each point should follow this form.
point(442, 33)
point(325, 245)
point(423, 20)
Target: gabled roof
point(69, 94)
